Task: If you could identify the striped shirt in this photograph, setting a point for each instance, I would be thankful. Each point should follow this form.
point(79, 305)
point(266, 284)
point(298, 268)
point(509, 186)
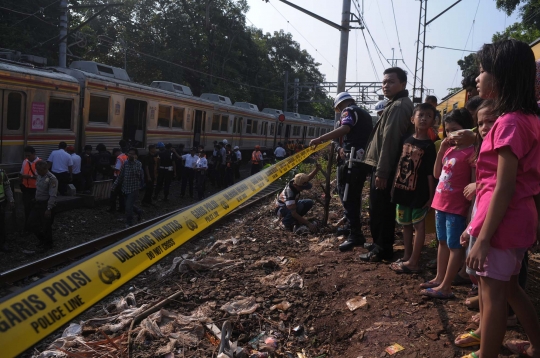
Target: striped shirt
point(288, 196)
point(131, 176)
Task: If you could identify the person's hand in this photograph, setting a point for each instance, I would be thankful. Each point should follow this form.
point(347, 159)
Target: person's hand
point(380, 183)
point(478, 254)
point(469, 191)
point(48, 214)
point(427, 205)
point(465, 138)
point(342, 153)
point(315, 142)
point(464, 239)
point(446, 143)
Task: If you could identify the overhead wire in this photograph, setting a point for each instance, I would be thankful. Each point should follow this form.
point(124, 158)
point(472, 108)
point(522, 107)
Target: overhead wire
point(29, 15)
point(288, 22)
point(371, 59)
point(41, 9)
point(466, 42)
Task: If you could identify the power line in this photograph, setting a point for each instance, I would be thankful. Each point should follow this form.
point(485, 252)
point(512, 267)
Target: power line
point(27, 14)
point(34, 14)
point(371, 59)
point(191, 69)
point(384, 26)
point(466, 42)
point(288, 22)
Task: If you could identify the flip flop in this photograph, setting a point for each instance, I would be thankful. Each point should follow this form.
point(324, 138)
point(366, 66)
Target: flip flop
point(518, 346)
point(429, 284)
point(400, 268)
point(471, 355)
point(470, 335)
point(429, 292)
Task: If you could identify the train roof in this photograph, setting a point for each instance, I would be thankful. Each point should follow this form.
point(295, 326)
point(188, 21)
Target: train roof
point(28, 70)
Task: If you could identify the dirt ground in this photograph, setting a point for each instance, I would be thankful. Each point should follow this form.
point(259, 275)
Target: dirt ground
point(318, 322)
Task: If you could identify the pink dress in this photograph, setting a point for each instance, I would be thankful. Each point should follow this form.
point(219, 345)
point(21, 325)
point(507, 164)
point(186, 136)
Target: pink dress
point(455, 176)
point(521, 133)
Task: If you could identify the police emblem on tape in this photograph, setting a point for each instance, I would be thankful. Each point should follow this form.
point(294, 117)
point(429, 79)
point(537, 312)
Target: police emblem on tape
point(192, 225)
point(224, 205)
point(108, 274)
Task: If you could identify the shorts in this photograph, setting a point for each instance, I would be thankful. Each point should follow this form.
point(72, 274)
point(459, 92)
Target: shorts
point(449, 228)
point(405, 215)
point(469, 270)
point(502, 264)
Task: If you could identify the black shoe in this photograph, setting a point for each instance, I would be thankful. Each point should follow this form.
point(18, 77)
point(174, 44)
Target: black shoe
point(369, 246)
point(345, 230)
point(376, 255)
point(352, 240)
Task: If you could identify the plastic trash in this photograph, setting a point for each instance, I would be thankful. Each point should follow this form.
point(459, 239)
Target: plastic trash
point(283, 306)
point(241, 306)
point(283, 280)
point(356, 303)
point(393, 349)
point(74, 329)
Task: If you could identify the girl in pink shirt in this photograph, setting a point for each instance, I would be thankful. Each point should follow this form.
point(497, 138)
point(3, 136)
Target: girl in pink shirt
point(453, 168)
point(508, 184)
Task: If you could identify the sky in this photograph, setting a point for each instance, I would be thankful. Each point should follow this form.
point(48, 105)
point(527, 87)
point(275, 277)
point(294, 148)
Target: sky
point(468, 25)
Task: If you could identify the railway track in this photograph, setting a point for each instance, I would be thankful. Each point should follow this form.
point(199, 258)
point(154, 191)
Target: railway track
point(47, 265)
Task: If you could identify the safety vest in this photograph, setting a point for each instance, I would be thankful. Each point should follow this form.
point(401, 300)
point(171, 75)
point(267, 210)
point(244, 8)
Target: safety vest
point(255, 157)
point(30, 169)
point(122, 158)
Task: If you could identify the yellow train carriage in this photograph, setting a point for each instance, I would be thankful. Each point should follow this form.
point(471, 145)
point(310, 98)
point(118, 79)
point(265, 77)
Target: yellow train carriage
point(38, 108)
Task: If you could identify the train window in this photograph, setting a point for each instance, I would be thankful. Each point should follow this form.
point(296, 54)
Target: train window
point(224, 124)
point(14, 106)
point(60, 113)
point(318, 131)
point(265, 128)
point(272, 128)
point(99, 109)
point(164, 116)
point(279, 129)
point(249, 124)
point(323, 131)
point(178, 117)
point(254, 129)
point(311, 132)
point(296, 130)
point(215, 122)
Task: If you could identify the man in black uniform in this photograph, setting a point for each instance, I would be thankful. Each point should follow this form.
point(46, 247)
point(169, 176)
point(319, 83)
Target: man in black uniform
point(166, 171)
point(354, 129)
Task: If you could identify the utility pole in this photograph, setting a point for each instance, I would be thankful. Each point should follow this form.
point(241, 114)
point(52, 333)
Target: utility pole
point(62, 48)
point(296, 94)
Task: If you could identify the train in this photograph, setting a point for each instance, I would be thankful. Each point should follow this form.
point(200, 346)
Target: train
point(92, 103)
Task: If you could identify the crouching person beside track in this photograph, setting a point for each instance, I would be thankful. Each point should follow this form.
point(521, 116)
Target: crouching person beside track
point(290, 209)
point(42, 213)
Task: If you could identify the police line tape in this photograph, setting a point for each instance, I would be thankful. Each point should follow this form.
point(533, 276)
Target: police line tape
point(28, 317)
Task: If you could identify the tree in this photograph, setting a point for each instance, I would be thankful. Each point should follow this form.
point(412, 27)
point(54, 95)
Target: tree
point(519, 32)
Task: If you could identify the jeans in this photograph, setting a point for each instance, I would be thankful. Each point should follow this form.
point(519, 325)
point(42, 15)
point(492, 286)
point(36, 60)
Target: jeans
point(164, 181)
point(187, 177)
point(353, 205)
point(148, 192)
point(130, 206)
point(229, 177)
point(117, 193)
point(302, 208)
point(382, 213)
point(28, 196)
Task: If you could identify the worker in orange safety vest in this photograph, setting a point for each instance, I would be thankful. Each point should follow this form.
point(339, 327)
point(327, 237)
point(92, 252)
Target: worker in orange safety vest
point(28, 176)
point(256, 160)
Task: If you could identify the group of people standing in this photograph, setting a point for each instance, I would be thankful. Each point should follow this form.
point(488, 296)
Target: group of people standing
point(482, 179)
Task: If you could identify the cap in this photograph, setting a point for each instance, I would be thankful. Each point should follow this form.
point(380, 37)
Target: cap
point(342, 97)
point(380, 105)
point(257, 147)
point(70, 148)
point(302, 180)
point(160, 145)
point(236, 147)
point(225, 141)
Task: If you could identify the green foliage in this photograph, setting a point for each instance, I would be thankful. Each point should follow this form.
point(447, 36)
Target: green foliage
point(453, 90)
point(209, 38)
point(519, 32)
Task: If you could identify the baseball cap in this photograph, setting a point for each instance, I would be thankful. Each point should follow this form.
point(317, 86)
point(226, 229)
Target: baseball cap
point(302, 180)
point(225, 141)
point(70, 148)
point(236, 147)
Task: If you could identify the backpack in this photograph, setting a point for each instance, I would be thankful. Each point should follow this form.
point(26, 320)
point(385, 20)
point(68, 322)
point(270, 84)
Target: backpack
point(103, 162)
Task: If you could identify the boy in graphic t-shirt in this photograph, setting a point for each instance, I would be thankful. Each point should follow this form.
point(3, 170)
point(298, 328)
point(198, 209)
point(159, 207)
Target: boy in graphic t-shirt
point(414, 187)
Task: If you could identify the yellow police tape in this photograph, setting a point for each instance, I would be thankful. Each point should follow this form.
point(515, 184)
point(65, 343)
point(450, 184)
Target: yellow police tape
point(28, 317)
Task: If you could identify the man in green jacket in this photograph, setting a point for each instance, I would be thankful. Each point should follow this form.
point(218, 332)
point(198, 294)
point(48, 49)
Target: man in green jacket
point(382, 154)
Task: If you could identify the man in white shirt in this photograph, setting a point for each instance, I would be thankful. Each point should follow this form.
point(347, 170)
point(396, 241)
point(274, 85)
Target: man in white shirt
point(76, 169)
point(61, 166)
point(188, 172)
point(237, 163)
point(200, 173)
point(280, 152)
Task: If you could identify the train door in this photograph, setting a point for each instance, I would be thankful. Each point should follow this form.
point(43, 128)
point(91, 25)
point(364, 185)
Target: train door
point(239, 130)
point(265, 133)
point(287, 132)
point(12, 105)
point(197, 127)
point(304, 132)
point(135, 122)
